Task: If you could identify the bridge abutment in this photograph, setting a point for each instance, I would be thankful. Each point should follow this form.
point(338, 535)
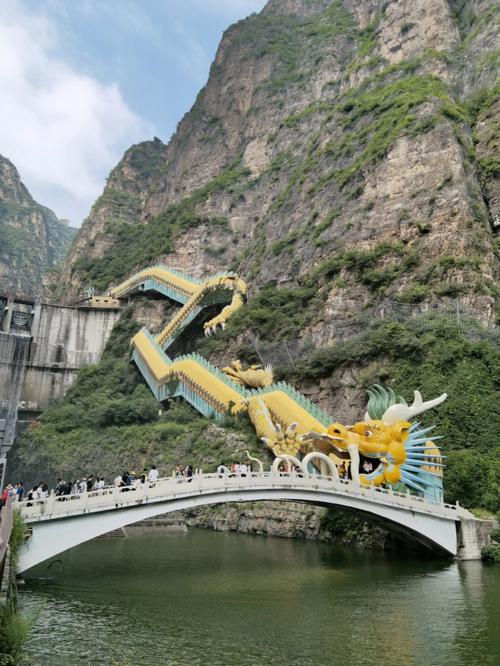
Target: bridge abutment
point(473, 535)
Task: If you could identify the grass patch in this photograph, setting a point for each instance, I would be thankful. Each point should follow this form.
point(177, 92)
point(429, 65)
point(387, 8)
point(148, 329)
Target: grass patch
point(285, 243)
point(362, 264)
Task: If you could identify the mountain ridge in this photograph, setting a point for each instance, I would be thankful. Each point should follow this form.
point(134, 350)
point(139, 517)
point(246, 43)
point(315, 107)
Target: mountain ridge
point(33, 240)
point(323, 126)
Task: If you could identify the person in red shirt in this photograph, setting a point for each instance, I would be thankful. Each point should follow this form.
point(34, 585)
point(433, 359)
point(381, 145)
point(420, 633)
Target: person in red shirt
point(5, 496)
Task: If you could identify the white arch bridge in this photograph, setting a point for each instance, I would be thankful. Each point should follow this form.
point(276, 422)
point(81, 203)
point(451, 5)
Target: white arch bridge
point(59, 523)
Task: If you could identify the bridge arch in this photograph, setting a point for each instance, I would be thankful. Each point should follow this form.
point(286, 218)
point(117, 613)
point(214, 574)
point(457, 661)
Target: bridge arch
point(58, 526)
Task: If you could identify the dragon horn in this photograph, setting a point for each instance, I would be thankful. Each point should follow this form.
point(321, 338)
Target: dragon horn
point(400, 412)
point(418, 406)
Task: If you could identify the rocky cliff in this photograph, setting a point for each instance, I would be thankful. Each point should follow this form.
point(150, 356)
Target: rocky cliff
point(350, 145)
point(340, 153)
point(32, 239)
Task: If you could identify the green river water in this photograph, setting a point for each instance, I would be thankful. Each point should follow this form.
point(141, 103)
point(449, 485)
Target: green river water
point(208, 598)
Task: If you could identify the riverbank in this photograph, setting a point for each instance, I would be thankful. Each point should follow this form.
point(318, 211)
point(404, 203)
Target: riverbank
point(13, 627)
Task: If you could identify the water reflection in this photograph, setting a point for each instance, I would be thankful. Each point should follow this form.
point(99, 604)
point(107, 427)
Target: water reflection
point(211, 598)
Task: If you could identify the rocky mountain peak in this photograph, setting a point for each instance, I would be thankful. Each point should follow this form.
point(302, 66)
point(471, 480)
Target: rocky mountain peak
point(32, 239)
point(344, 144)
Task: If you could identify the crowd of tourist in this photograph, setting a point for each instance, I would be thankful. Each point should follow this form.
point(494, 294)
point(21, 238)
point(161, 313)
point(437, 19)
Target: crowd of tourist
point(12, 492)
point(96, 483)
point(236, 469)
point(92, 483)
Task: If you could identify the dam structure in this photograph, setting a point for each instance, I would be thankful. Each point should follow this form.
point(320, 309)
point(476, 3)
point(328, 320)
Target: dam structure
point(42, 346)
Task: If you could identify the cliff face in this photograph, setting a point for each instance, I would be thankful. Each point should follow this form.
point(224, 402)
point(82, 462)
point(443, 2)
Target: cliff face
point(324, 127)
point(32, 239)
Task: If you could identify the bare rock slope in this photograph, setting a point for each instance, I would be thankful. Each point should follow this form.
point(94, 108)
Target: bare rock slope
point(351, 143)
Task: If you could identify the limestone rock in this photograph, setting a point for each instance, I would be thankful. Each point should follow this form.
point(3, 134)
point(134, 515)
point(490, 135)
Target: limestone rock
point(32, 240)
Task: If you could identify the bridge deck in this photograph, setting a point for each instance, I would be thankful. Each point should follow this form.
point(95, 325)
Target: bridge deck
point(172, 488)
point(59, 523)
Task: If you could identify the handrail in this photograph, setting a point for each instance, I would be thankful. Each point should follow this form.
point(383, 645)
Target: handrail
point(169, 488)
point(6, 521)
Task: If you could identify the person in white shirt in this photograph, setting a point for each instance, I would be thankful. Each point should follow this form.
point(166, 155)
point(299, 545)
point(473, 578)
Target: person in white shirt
point(243, 469)
point(153, 474)
point(118, 481)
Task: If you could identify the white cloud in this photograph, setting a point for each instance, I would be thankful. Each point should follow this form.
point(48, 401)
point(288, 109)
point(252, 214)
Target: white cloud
point(63, 130)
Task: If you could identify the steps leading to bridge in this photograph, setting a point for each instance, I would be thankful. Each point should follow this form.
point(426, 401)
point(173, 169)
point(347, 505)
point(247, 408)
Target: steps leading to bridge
point(157, 525)
point(114, 534)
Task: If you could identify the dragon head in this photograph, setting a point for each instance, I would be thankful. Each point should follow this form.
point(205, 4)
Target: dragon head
point(386, 448)
point(380, 448)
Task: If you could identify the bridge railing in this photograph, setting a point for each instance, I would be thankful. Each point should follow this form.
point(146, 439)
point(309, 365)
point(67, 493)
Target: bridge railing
point(170, 488)
point(6, 520)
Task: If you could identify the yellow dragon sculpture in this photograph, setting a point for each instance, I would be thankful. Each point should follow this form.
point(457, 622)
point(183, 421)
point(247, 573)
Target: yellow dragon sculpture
point(385, 448)
point(390, 449)
point(255, 376)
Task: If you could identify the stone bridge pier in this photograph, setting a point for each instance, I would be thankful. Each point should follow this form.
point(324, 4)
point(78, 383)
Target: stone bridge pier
point(473, 535)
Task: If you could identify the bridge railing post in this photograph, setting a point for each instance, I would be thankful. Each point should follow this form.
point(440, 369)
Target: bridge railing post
point(50, 503)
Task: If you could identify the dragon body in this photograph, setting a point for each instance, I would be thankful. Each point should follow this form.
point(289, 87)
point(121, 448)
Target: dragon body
point(386, 448)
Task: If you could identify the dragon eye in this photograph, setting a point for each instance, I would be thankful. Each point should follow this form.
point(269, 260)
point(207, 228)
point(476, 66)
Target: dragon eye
point(337, 431)
point(368, 433)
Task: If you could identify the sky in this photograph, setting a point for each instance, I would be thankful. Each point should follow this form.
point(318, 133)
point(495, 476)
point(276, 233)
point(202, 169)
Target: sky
point(82, 80)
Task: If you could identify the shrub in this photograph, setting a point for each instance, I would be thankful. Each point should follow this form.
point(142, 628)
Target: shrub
point(141, 244)
point(275, 313)
point(490, 554)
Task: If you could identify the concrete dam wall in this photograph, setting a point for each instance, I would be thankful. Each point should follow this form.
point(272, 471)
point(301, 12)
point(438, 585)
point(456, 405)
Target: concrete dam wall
point(62, 340)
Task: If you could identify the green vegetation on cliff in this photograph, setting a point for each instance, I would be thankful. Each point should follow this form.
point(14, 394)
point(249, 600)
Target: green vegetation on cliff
point(434, 358)
point(139, 245)
point(367, 120)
